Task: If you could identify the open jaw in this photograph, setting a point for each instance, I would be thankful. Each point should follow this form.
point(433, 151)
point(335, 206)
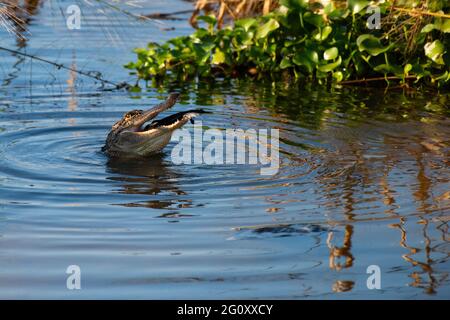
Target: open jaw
point(171, 122)
point(152, 137)
point(146, 116)
point(137, 133)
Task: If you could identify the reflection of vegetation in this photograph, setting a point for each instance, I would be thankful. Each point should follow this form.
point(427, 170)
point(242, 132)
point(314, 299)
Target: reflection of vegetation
point(427, 278)
point(307, 104)
point(298, 41)
point(344, 251)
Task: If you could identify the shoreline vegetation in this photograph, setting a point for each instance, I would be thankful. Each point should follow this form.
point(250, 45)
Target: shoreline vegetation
point(351, 42)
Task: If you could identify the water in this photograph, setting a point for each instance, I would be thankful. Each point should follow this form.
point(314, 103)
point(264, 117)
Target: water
point(364, 180)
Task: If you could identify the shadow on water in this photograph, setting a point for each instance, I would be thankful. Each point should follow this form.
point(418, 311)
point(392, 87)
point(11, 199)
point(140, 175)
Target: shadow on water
point(151, 177)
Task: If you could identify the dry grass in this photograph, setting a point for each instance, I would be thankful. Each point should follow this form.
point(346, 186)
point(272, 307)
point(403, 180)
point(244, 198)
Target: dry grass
point(229, 10)
point(13, 18)
point(232, 9)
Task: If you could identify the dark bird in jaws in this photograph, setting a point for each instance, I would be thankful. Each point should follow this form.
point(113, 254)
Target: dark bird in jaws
point(134, 135)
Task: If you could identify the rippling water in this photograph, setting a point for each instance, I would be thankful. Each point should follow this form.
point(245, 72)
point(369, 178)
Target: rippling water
point(364, 180)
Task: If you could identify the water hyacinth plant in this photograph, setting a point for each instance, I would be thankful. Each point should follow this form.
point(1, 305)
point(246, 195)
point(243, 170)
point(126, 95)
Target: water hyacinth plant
point(323, 44)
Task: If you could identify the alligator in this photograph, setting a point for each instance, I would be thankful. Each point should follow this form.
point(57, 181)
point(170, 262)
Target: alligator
point(134, 136)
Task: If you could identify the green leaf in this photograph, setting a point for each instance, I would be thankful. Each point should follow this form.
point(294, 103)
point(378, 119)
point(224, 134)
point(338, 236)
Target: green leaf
point(331, 54)
point(444, 77)
point(285, 63)
point(445, 26)
point(209, 19)
point(289, 43)
point(314, 19)
point(246, 24)
point(442, 25)
point(428, 28)
point(243, 39)
point(330, 66)
point(267, 28)
point(407, 68)
point(307, 58)
point(389, 68)
point(419, 71)
point(322, 34)
point(339, 14)
point(435, 50)
point(357, 5)
point(371, 44)
point(295, 4)
point(338, 75)
point(130, 65)
point(218, 57)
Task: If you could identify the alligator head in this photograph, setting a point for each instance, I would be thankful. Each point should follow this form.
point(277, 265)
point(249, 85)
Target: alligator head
point(132, 136)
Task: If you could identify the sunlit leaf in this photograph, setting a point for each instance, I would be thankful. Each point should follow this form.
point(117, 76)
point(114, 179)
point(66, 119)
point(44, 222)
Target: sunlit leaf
point(331, 54)
point(434, 50)
point(323, 33)
point(357, 5)
point(267, 28)
point(210, 19)
point(371, 44)
point(338, 75)
point(246, 24)
point(330, 66)
point(285, 63)
point(445, 26)
point(428, 28)
point(408, 67)
point(218, 57)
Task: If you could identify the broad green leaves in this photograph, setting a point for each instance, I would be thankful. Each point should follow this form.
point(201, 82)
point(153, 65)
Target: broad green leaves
point(266, 28)
point(210, 20)
point(371, 44)
point(307, 58)
point(218, 57)
point(302, 42)
point(439, 24)
point(435, 50)
point(330, 66)
point(246, 24)
point(331, 54)
point(357, 5)
point(323, 33)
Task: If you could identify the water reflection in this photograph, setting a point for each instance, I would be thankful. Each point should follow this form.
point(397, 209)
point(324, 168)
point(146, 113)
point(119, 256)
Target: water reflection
point(344, 251)
point(151, 177)
point(364, 173)
point(427, 277)
point(372, 156)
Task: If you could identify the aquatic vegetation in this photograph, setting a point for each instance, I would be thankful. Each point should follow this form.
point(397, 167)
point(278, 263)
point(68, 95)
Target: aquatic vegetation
point(297, 41)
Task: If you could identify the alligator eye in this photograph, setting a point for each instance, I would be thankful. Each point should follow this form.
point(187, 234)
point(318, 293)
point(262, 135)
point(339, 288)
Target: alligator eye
point(133, 113)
